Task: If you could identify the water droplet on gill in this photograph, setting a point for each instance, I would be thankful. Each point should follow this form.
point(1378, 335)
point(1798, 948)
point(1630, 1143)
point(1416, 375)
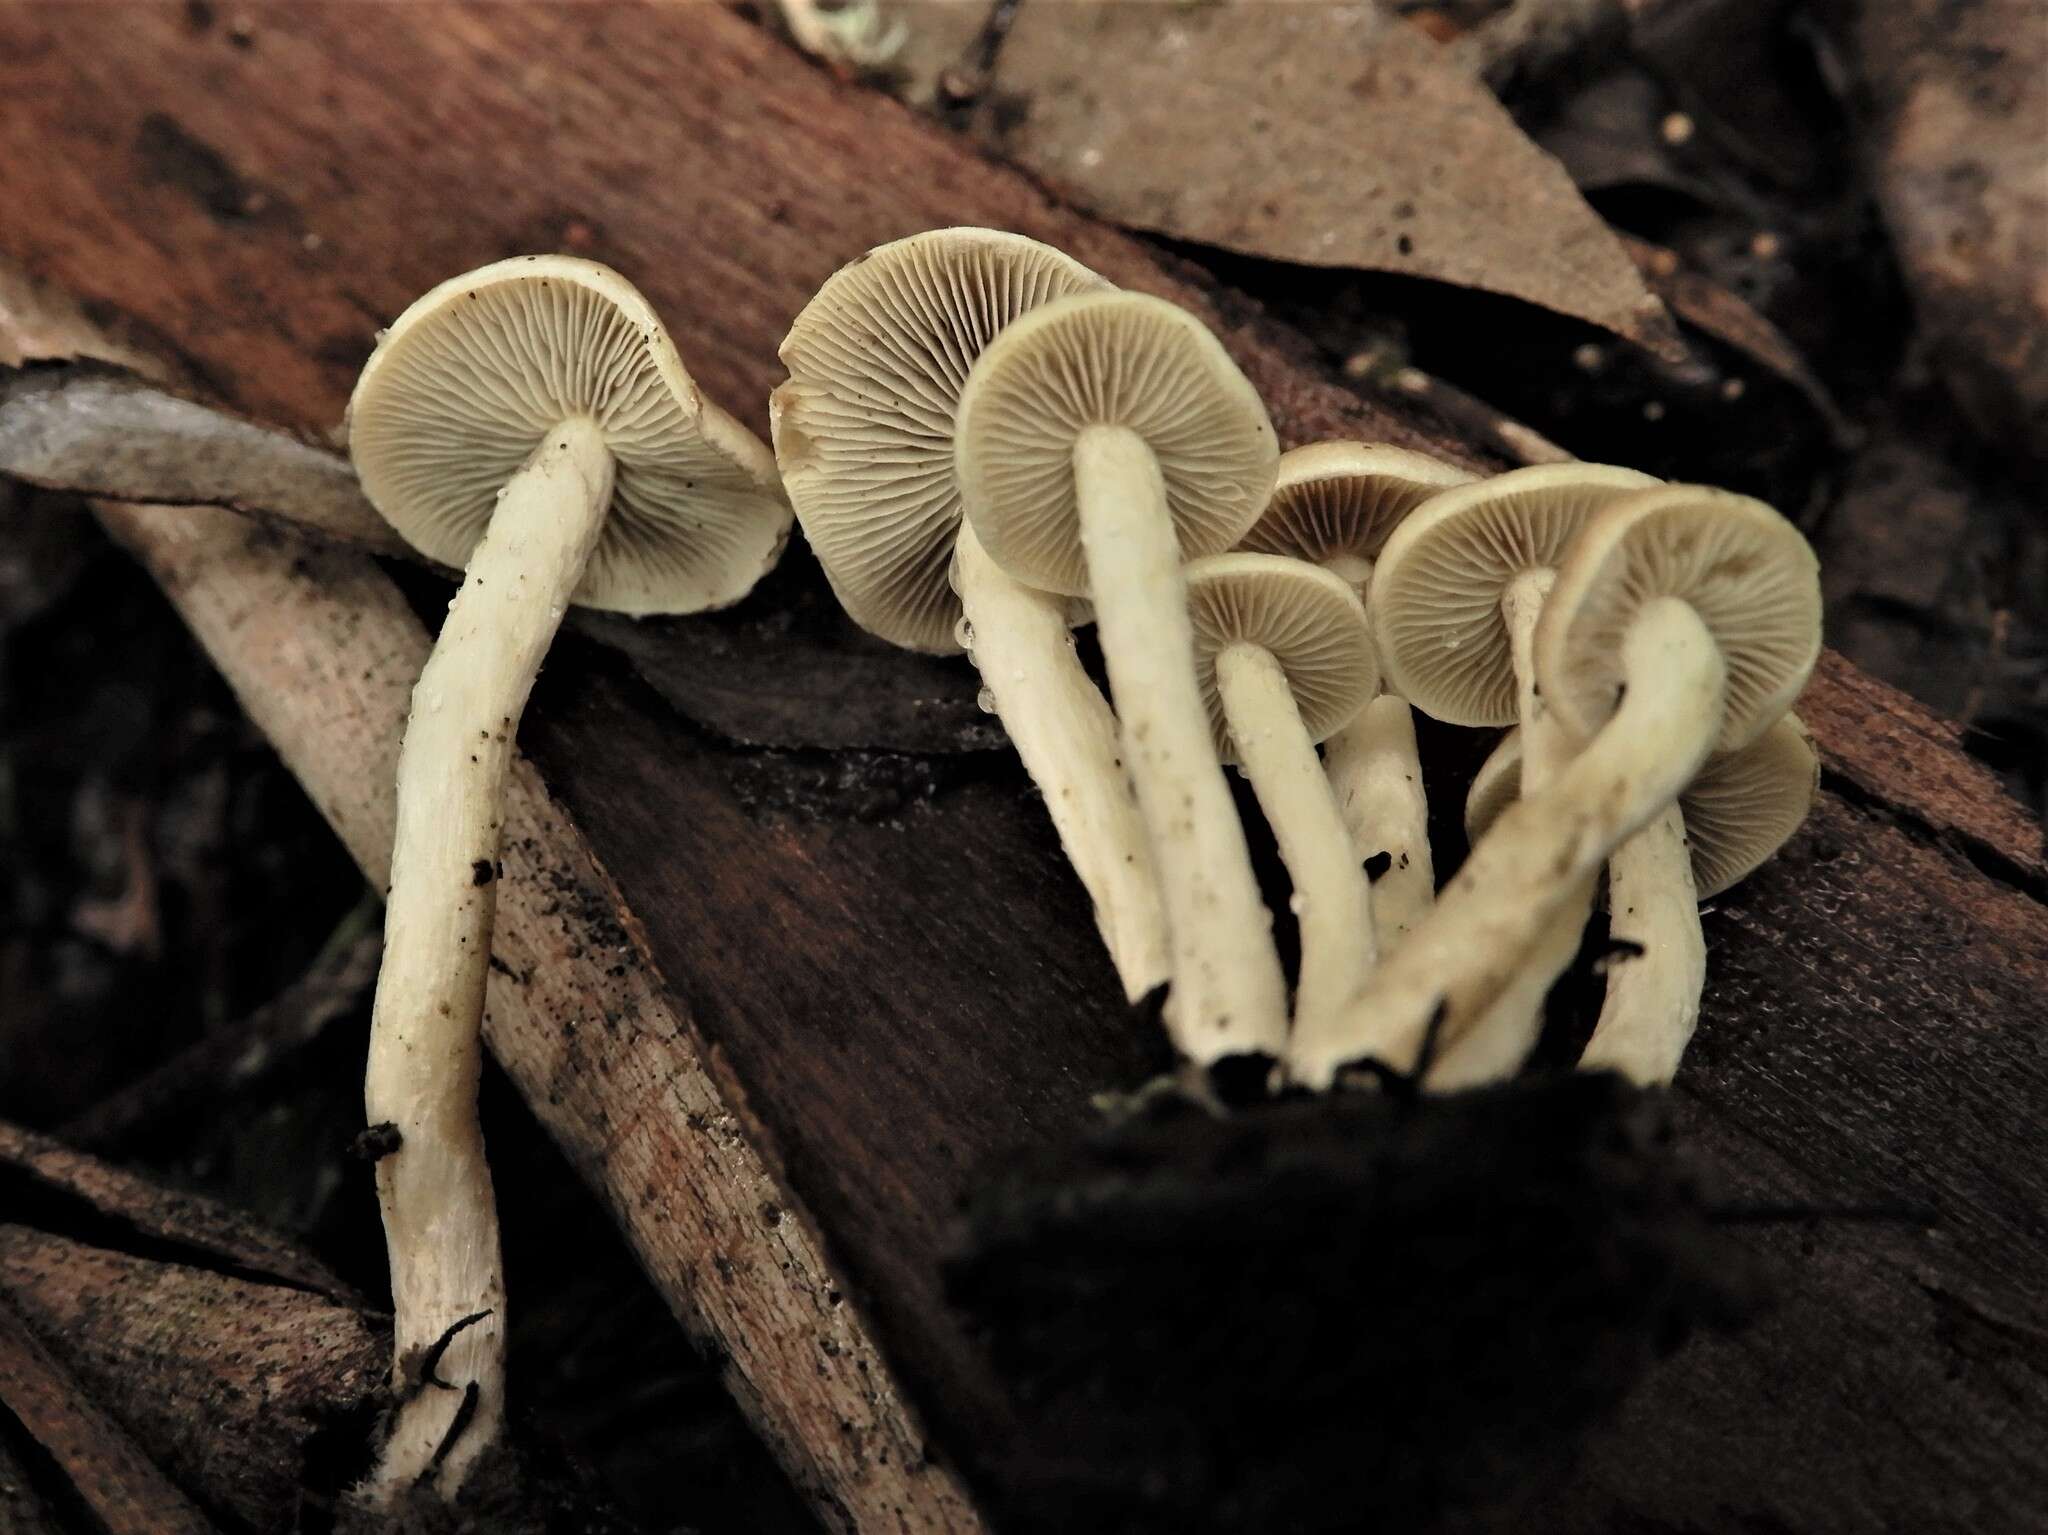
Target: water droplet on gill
point(555, 612)
point(963, 634)
point(986, 699)
point(1295, 903)
point(382, 333)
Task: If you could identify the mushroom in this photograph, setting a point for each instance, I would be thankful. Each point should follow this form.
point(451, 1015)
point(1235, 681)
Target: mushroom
point(1100, 441)
point(1740, 810)
point(531, 423)
point(1284, 657)
point(863, 430)
point(1335, 504)
point(1454, 602)
point(1684, 622)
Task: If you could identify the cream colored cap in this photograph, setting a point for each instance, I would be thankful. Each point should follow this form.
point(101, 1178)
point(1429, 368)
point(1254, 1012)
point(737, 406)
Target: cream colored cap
point(1437, 587)
point(465, 384)
point(1747, 572)
point(1738, 812)
point(1107, 359)
point(1336, 503)
point(863, 428)
point(1308, 619)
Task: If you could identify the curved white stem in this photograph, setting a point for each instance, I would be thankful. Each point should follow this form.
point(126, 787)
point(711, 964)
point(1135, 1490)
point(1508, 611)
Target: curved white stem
point(1543, 849)
point(1500, 1039)
point(1229, 996)
point(434, 1189)
point(1062, 728)
point(1653, 997)
point(1332, 900)
point(1376, 774)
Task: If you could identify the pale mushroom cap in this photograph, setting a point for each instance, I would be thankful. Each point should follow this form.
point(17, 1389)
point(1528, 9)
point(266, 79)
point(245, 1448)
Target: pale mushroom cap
point(466, 383)
point(863, 428)
point(1738, 812)
point(1309, 620)
point(1746, 571)
point(1342, 500)
point(1497, 785)
point(1437, 586)
point(1107, 359)
point(1745, 806)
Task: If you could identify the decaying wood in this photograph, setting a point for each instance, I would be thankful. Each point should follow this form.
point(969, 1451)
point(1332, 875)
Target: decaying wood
point(323, 651)
point(233, 1387)
point(850, 1008)
point(104, 433)
point(119, 1486)
point(39, 1178)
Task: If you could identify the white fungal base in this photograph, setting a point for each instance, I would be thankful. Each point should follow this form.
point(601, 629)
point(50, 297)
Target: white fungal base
point(1229, 996)
point(440, 1221)
point(1375, 773)
point(1063, 730)
point(1500, 1039)
point(1543, 850)
point(1332, 902)
point(1653, 998)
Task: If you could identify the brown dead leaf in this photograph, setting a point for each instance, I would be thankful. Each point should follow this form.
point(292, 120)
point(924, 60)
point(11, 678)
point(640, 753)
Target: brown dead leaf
point(1331, 135)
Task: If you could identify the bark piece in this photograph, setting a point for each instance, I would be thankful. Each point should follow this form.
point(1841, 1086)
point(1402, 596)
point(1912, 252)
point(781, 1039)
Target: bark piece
point(38, 1174)
point(104, 433)
point(114, 1480)
point(241, 1391)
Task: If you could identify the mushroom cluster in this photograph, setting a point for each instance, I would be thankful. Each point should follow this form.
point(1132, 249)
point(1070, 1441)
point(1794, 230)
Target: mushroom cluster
point(988, 445)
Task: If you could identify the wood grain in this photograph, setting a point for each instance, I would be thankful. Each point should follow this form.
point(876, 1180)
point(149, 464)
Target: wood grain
point(322, 650)
point(226, 1383)
point(883, 971)
point(122, 1492)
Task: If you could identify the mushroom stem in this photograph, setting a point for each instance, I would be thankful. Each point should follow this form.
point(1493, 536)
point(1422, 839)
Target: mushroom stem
point(1063, 730)
point(1500, 1039)
point(1376, 774)
point(1375, 771)
point(1543, 850)
point(440, 1221)
point(1229, 996)
point(1653, 991)
point(1331, 897)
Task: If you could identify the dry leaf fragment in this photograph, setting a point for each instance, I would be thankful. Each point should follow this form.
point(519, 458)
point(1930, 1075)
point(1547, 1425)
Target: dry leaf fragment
point(1332, 134)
